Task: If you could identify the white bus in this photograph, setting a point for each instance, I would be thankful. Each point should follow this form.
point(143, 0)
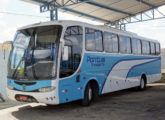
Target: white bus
point(63, 61)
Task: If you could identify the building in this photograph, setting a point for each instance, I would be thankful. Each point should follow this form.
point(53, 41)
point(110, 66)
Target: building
point(5, 46)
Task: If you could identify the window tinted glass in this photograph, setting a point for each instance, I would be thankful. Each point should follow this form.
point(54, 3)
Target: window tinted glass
point(110, 42)
point(139, 47)
point(153, 50)
point(136, 46)
point(90, 39)
point(125, 44)
point(128, 45)
point(157, 48)
point(148, 48)
point(74, 40)
point(145, 47)
point(94, 40)
point(99, 41)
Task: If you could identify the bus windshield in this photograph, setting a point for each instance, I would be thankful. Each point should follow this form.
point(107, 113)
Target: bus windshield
point(33, 54)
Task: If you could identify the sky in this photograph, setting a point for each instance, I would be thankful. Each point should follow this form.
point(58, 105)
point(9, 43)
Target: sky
point(10, 23)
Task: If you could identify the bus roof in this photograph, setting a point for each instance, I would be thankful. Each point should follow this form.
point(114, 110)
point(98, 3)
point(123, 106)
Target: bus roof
point(100, 27)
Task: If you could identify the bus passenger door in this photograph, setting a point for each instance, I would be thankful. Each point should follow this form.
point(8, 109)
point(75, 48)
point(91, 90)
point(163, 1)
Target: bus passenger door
point(73, 40)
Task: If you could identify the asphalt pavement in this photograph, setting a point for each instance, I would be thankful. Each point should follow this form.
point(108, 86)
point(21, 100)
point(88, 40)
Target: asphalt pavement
point(122, 105)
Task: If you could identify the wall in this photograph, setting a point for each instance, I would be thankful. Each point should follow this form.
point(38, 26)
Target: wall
point(4, 52)
point(3, 73)
point(163, 60)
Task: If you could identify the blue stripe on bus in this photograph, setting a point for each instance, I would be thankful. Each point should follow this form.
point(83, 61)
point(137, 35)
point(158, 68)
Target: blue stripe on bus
point(141, 65)
point(157, 58)
point(39, 84)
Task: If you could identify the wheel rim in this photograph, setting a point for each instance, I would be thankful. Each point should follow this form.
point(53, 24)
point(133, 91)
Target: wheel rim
point(90, 94)
point(142, 83)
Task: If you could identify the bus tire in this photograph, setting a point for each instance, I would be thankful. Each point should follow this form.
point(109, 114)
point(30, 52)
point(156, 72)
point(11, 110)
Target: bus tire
point(142, 83)
point(88, 95)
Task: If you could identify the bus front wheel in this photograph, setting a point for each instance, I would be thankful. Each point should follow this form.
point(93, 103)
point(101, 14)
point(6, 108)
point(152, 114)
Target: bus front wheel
point(88, 95)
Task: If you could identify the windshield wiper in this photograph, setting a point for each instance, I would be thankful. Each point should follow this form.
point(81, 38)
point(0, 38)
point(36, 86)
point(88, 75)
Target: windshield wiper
point(15, 71)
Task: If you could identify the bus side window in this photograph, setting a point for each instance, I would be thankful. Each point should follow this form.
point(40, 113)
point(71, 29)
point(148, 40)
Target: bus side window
point(157, 48)
point(136, 46)
point(74, 40)
point(111, 42)
point(125, 44)
point(145, 47)
point(99, 41)
point(153, 49)
point(139, 46)
point(90, 39)
point(93, 40)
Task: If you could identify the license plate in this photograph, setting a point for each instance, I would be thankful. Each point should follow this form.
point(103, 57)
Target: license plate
point(23, 98)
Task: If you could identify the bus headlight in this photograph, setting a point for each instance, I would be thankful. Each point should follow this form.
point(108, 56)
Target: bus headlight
point(47, 89)
point(10, 87)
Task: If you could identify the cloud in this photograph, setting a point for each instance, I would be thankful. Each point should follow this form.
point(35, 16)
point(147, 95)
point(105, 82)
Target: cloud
point(6, 32)
point(2, 24)
point(65, 16)
point(1, 15)
point(151, 29)
point(36, 10)
point(3, 7)
point(160, 37)
point(161, 8)
point(4, 4)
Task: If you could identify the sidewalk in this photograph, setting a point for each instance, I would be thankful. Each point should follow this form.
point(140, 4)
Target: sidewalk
point(9, 103)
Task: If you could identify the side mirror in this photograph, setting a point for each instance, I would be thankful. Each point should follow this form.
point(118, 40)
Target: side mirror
point(65, 55)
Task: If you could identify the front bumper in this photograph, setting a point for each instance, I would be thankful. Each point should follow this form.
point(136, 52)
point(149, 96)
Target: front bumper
point(41, 97)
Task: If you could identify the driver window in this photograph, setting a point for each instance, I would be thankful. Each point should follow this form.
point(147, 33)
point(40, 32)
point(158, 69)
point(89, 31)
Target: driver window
point(74, 40)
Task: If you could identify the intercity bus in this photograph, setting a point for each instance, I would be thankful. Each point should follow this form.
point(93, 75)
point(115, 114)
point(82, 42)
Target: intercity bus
point(62, 61)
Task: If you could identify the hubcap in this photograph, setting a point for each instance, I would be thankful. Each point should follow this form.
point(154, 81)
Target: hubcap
point(90, 94)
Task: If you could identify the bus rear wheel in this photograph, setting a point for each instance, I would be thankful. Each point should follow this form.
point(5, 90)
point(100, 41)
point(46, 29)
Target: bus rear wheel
point(142, 83)
point(88, 95)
